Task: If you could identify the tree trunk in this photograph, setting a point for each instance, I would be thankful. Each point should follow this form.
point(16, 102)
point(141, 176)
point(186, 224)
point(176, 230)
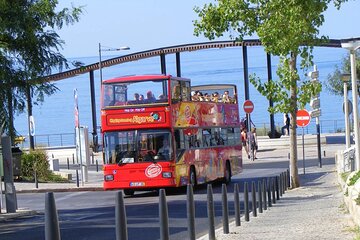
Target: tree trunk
point(294, 176)
point(11, 116)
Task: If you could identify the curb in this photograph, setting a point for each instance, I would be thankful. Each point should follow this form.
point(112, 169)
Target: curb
point(44, 190)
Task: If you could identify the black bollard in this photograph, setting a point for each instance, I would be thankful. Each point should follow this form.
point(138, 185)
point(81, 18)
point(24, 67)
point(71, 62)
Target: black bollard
point(253, 199)
point(36, 180)
point(284, 182)
point(237, 205)
point(92, 158)
point(225, 210)
point(190, 212)
point(97, 166)
point(164, 217)
point(277, 189)
point(288, 178)
point(77, 178)
point(211, 212)
point(324, 154)
point(68, 164)
point(273, 189)
point(269, 192)
point(52, 155)
point(120, 217)
point(52, 230)
point(260, 197)
point(73, 157)
point(246, 201)
point(264, 191)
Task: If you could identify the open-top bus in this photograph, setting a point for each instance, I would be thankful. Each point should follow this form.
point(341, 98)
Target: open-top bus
point(168, 138)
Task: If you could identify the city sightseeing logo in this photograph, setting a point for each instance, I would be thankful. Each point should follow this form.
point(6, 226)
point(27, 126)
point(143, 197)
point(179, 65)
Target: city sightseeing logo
point(153, 170)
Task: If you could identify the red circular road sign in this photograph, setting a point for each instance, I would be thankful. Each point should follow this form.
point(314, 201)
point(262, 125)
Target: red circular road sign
point(248, 106)
point(302, 118)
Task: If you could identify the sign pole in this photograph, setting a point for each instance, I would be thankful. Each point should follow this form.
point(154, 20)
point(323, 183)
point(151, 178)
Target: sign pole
point(318, 141)
point(303, 145)
point(78, 139)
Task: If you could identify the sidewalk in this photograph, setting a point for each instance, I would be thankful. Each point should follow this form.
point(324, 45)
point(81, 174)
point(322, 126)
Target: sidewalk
point(315, 210)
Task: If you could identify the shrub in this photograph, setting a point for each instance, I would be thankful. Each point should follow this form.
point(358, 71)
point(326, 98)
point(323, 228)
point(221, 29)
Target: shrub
point(36, 160)
point(354, 178)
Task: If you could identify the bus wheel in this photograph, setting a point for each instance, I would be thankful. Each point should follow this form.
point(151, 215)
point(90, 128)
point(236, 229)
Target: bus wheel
point(192, 177)
point(129, 192)
point(227, 173)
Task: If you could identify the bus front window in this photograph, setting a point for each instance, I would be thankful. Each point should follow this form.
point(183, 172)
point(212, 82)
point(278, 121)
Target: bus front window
point(137, 146)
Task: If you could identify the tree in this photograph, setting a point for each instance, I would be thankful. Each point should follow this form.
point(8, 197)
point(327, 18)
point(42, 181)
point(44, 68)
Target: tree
point(334, 84)
point(286, 28)
point(29, 50)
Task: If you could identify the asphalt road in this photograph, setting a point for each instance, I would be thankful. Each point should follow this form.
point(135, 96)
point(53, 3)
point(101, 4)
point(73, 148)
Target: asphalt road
point(91, 215)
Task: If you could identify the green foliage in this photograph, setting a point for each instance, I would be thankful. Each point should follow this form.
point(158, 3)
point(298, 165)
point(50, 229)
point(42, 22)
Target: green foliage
point(334, 84)
point(354, 178)
point(357, 200)
point(36, 160)
point(29, 50)
point(344, 176)
point(286, 28)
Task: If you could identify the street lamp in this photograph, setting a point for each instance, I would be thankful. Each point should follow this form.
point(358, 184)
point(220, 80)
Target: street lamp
point(345, 78)
point(352, 46)
point(102, 49)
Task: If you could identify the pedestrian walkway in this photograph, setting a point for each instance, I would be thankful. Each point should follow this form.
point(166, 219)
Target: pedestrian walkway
point(313, 211)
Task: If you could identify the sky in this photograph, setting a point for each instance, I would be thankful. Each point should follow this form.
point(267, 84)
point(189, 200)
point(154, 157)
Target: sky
point(149, 24)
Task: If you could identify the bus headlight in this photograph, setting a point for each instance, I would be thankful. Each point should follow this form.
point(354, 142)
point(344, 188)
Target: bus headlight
point(166, 174)
point(109, 177)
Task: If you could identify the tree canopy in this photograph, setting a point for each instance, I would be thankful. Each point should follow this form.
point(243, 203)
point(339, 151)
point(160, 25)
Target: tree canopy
point(286, 28)
point(29, 50)
point(334, 84)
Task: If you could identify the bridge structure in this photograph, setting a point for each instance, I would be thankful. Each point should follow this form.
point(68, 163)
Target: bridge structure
point(177, 50)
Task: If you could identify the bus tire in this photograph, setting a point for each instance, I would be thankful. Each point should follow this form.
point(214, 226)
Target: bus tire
point(192, 177)
point(129, 192)
point(227, 173)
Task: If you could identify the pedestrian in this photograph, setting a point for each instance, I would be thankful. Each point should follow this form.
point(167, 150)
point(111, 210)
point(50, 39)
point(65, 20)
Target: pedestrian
point(244, 141)
point(253, 143)
point(286, 126)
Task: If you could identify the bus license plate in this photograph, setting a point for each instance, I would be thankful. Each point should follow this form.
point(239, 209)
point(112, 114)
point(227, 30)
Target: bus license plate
point(137, 184)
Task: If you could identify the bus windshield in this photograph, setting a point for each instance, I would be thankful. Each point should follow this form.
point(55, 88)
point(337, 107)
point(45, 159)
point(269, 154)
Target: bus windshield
point(135, 93)
point(137, 146)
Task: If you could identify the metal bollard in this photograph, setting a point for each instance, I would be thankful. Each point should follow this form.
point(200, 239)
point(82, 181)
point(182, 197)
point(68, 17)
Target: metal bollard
point(73, 157)
point(120, 217)
point(280, 185)
point(287, 178)
point(246, 202)
point(68, 165)
point(269, 192)
point(324, 154)
point(277, 190)
point(77, 178)
point(97, 166)
point(288, 155)
point(264, 191)
point(253, 199)
point(52, 230)
point(36, 180)
point(237, 205)
point(225, 209)
point(211, 212)
point(273, 190)
point(260, 197)
point(52, 155)
point(164, 217)
point(190, 206)
point(92, 158)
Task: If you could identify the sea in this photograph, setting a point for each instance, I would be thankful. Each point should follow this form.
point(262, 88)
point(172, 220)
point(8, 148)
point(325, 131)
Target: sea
point(210, 66)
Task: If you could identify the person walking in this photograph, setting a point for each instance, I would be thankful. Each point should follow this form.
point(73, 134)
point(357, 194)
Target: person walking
point(286, 126)
point(244, 141)
point(253, 143)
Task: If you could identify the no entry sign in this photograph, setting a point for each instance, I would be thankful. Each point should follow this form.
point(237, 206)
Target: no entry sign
point(248, 106)
point(302, 118)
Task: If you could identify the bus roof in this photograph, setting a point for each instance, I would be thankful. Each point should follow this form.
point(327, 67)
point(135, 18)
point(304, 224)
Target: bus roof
point(136, 78)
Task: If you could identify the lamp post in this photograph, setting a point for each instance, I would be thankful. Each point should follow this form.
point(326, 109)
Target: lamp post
point(345, 78)
point(107, 49)
point(352, 46)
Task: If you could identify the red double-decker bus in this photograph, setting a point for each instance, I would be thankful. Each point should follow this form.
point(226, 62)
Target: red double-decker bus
point(159, 131)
